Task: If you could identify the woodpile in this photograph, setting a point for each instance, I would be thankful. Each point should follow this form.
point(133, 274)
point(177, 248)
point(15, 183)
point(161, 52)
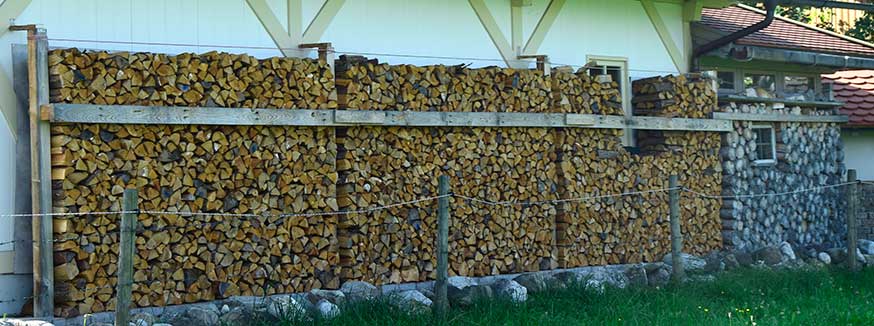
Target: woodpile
point(809, 155)
point(381, 166)
point(369, 85)
point(268, 171)
point(213, 79)
point(635, 228)
point(580, 93)
point(684, 96)
point(183, 258)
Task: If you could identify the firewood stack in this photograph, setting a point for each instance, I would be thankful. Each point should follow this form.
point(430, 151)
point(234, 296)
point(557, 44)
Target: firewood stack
point(684, 96)
point(369, 85)
point(634, 228)
point(389, 165)
point(580, 93)
point(278, 170)
point(185, 259)
point(210, 79)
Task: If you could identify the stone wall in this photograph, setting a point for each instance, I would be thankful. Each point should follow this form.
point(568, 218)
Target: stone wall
point(808, 155)
point(866, 212)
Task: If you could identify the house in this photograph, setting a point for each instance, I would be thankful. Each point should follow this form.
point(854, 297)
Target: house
point(773, 134)
point(855, 88)
point(788, 127)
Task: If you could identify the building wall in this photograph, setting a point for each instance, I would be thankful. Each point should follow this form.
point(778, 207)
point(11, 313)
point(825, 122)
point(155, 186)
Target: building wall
point(859, 146)
point(809, 155)
point(396, 31)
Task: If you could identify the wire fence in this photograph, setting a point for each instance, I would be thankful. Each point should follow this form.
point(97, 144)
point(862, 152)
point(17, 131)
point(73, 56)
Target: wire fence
point(269, 272)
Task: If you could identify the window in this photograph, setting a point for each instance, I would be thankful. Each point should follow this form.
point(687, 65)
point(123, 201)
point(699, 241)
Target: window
point(726, 80)
point(760, 85)
point(799, 86)
point(617, 69)
point(766, 144)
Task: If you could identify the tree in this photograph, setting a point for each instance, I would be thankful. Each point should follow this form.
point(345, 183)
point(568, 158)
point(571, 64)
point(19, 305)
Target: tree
point(864, 28)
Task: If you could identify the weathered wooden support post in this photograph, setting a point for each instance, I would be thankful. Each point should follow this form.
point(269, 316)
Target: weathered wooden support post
point(852, 219)
point(40, 171)
point(128, 228)
point(442, 304)
point(676, 233)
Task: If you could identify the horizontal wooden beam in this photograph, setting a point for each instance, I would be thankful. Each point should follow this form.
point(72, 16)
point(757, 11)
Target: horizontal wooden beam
point(808, 104)
point(680, 124)
point(776, 117)
point(126, 114)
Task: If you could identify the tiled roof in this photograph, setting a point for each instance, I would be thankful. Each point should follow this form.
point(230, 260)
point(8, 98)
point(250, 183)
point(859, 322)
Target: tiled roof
point(782, 33)
point(856, 89)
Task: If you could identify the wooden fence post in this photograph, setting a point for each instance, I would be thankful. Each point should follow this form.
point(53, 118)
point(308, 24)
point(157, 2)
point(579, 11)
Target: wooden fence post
point(676, 234)
point(852, 219)
point(126, 258)
point(442, 304)
point(40, 170)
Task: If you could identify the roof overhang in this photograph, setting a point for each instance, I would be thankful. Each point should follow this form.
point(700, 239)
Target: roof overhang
point(814, 59)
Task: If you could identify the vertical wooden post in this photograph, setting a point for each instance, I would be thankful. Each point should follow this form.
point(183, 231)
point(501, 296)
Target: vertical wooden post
point(442, 249)
point(852, 219)
point(41, 183)
point(124, 288)
point(676, 234)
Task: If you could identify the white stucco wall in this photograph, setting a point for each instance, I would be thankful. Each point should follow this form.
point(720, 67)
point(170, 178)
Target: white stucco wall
point(396, 29)
point(859, 149)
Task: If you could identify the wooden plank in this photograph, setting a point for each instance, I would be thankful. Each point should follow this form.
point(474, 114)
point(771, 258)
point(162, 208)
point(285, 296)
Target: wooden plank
point(123, 114)
point(127, 114)
point(659, 123)
point(359, 117)
point(775, 117)
point(41, 185)
point(543, 26)
point(748, 99)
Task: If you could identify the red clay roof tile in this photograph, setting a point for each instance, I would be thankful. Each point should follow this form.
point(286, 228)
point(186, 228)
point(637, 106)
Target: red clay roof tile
point(782, 33)
point(856, 89)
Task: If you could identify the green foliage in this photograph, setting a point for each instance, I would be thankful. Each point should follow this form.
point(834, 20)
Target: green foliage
point(795, 13)
point(864, 28)
point(746, 297)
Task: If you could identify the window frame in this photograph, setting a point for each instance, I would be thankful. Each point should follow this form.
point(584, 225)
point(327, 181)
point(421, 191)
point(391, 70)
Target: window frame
point(623, 64)
point(780, 82)
point(773, 159)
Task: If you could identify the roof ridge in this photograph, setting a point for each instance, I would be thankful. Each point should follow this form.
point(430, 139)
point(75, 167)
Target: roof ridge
point(808, 26)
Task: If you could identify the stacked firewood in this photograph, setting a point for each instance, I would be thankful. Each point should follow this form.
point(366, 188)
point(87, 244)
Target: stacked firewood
point(184, 258)
point(369, 85)
point(598, 229)
point(210, 79)
point(684, 96)
point(389, 165)
point(580, 93)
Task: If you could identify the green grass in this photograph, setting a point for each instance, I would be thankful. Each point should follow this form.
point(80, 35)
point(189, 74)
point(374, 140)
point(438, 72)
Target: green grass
point(745, 297)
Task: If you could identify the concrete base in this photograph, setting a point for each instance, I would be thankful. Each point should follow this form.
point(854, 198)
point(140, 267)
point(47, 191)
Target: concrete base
point(13, 290)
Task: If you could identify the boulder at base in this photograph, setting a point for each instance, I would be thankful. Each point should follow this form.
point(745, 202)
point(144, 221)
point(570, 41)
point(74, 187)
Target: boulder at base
point(511, 290)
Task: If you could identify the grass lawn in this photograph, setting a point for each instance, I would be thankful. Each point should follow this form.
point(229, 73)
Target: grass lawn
point(745, 297)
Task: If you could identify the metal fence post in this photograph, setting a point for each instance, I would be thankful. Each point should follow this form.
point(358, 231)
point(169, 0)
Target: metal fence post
point(852, 218)
point(442, 304)
point(676, 234)
point(126, 258)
